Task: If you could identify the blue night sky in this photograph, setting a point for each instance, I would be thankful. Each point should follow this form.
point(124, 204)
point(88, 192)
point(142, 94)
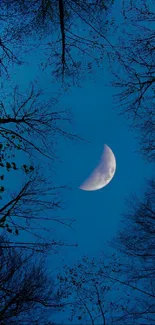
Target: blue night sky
point(97, 214)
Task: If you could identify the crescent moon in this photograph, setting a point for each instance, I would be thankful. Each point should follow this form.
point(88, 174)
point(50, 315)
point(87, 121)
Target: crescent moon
point(103, 173)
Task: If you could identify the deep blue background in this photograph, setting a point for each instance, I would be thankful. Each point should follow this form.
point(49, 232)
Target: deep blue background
point(96, 119)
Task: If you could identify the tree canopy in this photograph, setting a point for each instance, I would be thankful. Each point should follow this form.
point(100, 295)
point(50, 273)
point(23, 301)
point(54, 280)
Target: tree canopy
point(71, 34)
point(28, 294)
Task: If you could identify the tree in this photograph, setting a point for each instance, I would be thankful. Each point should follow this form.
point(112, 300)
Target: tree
point(136, 77)
point(118, 289)
point(72, 33)
point(92, 293)
point(7, 54)
point(29, 131)
point(31, 210)
point(102, 291)
point(136, 81)
point(136, 242)
point(28, 295)
point(31, 123)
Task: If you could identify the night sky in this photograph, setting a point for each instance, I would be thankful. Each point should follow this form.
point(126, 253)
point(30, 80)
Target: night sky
point(98, 213)
point(96, 120)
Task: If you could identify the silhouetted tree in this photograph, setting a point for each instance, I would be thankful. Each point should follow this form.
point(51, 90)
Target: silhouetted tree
point(28, 295)
point(93, 294)
point(7, 55)
point(31, 209)
point(72, 33)
point(29, 130)
point(136, 81)
point(135, 76)
point(32, 124)
point(136, 242)
point(118, 289)
point(102, 291)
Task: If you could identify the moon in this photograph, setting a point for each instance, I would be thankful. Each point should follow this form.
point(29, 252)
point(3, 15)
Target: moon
point(103, 173)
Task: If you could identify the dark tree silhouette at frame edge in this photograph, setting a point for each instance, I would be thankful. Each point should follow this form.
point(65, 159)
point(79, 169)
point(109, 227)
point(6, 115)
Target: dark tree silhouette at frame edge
point(136, 243)
point(93, 294)
point(136, 77)
point(28, 295)
point(137, 86)
point(31, 127)
point(70, 49)
point(33, 124)
point(101, 291)
point(32, 209)
point(7, 56)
